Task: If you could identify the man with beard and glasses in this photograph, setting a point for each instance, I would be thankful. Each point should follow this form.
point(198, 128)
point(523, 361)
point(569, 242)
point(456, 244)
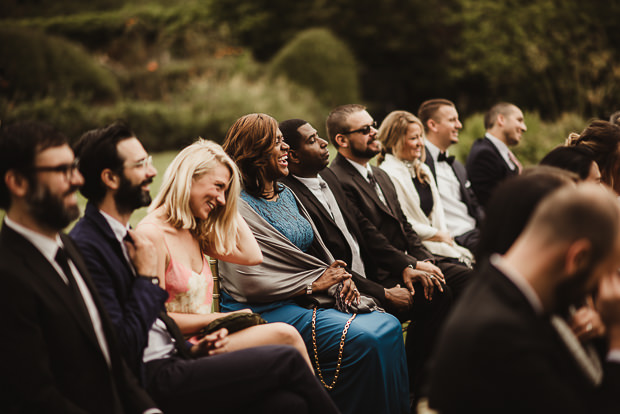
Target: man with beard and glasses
point(117, 172)
point(274, 378)
point(503, 349)
point(59, 353)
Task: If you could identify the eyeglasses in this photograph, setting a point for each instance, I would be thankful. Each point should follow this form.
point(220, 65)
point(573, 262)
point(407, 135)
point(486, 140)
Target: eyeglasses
point(364, 130)
point(66, 169)
point(143, 163)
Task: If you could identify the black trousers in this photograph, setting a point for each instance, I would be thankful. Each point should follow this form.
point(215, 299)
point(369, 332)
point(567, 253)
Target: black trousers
point(265, 379)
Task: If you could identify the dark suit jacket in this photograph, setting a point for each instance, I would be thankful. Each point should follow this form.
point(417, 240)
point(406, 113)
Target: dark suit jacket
point(467, 194)
point(382, 262)
point(496, 355)
point(132, 303)
point(390, 220)
point(486, 168)
point(52, 362)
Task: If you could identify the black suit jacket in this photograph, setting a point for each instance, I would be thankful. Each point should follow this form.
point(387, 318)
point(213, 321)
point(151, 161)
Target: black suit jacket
point(132, 303)
point(51, 360)
point(467, 194)
point(389, 220)
point(496, 355)
point(486, 168)
point(382, 262)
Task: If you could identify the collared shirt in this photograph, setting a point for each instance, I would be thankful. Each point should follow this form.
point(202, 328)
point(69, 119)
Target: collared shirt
point(48, 248)
point(502, 148)
point(314, 185)
point(457, 216)
point(365, 172)
point(120, 231)
point(519, 281)
point(526, 289)
point(160, 343)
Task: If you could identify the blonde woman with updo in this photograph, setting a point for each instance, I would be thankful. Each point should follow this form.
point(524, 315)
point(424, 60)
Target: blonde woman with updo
point(194, 215)
point(402, 157)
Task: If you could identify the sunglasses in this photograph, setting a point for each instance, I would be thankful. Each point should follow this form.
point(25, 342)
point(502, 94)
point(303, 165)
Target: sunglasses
point(364, 130)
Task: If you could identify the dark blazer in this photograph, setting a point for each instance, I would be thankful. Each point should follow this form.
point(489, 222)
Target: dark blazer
point(389, 220)
point(495, 354)
point(486, 168)
point(467, 194)
point(52, 362)
point(132, 303)
point(382, 262)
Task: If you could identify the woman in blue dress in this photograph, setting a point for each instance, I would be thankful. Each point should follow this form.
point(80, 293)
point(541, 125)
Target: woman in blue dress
point(357, 350)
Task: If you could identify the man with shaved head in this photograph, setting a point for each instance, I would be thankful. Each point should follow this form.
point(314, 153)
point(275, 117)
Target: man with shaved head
point(490, 160)
point(503, 350)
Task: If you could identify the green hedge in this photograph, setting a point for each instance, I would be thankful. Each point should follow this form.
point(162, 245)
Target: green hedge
point(33, 64)
point(317, 60)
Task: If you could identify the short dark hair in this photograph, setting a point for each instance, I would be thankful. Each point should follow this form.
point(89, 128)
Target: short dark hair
point(428, 109)
point(97, 151)
point(290, 133)
point(576, 159)
point(19, 145)
point(336, 122)
point(504, 108)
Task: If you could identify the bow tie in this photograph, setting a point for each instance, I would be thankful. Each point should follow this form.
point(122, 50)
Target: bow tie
point(442, 157)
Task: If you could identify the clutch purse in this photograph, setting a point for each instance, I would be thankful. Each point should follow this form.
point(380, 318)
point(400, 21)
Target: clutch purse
point(233, 323)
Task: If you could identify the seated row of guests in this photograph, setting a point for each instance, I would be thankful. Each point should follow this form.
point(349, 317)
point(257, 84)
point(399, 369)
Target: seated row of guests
point(61, 352)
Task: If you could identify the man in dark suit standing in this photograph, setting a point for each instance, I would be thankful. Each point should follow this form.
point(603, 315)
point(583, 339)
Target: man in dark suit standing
point(59, 351)
point(180, 377)
point(461, 208)
point(502, 350)
point(490, 161)
point(351, 237)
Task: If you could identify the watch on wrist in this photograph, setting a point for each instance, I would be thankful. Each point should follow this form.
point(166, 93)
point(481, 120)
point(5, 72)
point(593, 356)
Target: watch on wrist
point(309, 289)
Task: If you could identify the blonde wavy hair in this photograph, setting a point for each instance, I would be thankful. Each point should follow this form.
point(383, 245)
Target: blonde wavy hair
point(392, 134)
point(214, 233)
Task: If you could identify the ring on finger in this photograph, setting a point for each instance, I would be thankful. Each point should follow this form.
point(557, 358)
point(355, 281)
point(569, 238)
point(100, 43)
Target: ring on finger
point(589, 326)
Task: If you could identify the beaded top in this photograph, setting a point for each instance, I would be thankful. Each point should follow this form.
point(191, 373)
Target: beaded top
point(283, 214)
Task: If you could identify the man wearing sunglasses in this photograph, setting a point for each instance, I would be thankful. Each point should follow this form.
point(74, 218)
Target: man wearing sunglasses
point(59, 352)
point(352, 131)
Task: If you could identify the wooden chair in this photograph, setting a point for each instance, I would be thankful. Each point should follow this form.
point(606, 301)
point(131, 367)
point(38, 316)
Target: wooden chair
point(216, 283)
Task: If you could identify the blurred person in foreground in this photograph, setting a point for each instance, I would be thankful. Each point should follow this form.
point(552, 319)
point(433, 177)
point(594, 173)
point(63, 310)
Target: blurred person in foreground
point(504, 349)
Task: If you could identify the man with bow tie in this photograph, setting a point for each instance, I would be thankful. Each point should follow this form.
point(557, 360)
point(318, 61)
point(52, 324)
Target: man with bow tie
point(461, 208)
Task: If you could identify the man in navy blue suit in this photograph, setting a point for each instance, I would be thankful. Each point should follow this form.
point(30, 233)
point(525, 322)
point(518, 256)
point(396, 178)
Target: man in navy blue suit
point(490, 160)
point(181, 378)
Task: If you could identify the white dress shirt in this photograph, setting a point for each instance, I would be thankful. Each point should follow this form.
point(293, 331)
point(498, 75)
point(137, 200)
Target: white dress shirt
point(503, 149)
point(48, 248)
point(455, 210)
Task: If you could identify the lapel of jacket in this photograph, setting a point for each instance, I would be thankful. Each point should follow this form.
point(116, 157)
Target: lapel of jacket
point(386, 187)
point(361, 183)
point(501, 159)
point(46, 275)
point(92, 213)
point(306, 196)
point(430, 162)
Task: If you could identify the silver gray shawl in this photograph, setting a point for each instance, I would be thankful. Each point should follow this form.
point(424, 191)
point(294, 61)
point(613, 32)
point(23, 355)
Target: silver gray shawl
point(285, 269)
